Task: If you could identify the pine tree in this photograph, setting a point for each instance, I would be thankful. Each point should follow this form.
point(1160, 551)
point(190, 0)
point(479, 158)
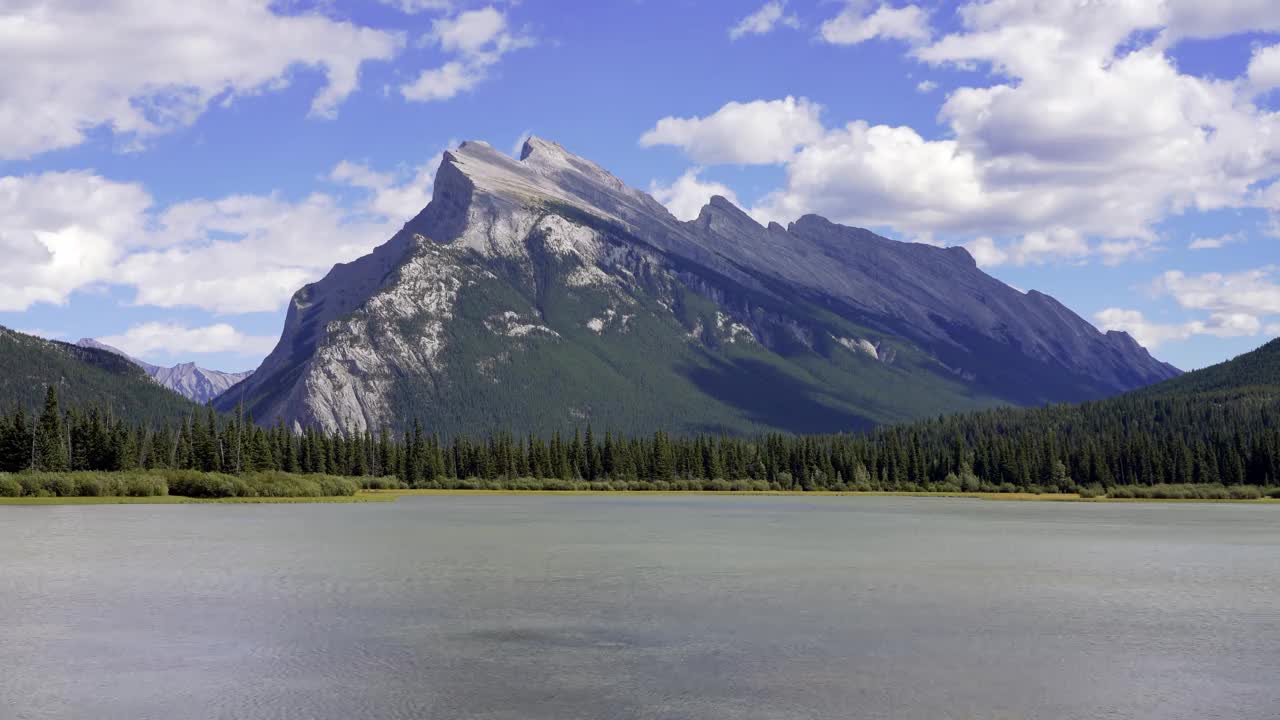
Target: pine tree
point(50, 442)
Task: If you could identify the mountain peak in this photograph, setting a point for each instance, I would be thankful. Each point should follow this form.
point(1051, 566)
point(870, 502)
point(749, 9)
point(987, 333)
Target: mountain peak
point(535, 145)
point(186, 379)
point(722, 216)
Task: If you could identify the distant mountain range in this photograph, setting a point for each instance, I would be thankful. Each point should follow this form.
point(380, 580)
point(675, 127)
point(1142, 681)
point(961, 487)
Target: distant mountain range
point(84, 377)
point(187, 379)
point(543, 294)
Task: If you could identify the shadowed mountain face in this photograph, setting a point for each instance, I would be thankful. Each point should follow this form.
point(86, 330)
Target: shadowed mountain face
point(543, 294)
point(186, 379)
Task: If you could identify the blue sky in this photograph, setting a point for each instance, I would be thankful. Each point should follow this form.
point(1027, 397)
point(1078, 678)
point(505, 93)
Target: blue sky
point(168, 185)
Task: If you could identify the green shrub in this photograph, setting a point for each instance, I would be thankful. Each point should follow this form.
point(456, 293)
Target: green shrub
point(190, 483)
point(9, 487)
point(1245, 492)
point(383, 483)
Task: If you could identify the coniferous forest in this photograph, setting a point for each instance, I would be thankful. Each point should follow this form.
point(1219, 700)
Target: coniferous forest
point(1201, 430)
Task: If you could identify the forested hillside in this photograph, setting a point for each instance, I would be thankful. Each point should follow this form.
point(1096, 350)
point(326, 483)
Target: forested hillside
point(1225, 436)
point(84, 377)
point(1216, 425)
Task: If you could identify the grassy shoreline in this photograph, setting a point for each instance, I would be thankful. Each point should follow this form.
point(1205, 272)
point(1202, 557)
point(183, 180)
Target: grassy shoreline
point(1006, 497)
point(365, 496)
point(184, 500)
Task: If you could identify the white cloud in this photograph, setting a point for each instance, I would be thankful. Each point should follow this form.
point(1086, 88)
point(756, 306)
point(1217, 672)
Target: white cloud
point(1250, 292)
point(986, 252)
point(759, 132)
point(688, 194)
point(412, 7)
point(1196, 18)
point(1213, 243)
point(764, 20)
point(1153, 334)
point(471, 32)
point(63, 232)
point(1034, 248)
point(1264, 68)
point(1238, 305)
point(1085, 122)
point(444, 82)
point(396, 198)
point(143, 68)
point(176, 339)
point(854, 25)
point(477, 39)
point(926, 86)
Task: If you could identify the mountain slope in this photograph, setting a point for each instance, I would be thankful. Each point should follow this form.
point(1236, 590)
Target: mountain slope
point(187, 379)
point(544, 293)
point(1259, 367)
point(1217, 425)
point(84, 377)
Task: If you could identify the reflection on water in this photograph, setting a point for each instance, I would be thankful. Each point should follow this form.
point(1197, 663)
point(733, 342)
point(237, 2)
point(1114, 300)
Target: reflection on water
point(641, 607)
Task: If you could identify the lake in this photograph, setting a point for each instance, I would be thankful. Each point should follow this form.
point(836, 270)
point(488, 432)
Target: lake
point(559, 607)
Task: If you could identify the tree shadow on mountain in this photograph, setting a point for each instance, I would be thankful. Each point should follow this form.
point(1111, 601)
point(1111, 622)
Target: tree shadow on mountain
point(768, 396)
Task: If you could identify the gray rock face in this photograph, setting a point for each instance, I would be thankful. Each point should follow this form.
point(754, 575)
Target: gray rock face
point(552, 244)
point(187, 379)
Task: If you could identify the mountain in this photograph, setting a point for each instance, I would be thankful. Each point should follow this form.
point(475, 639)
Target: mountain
point(543, 294)
point(188, 380)
point(84, 377)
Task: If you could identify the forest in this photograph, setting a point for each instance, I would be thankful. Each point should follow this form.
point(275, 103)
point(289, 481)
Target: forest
point(1217, 442)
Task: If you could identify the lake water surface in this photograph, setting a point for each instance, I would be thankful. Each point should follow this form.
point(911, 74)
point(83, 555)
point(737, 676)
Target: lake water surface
point(564, 607)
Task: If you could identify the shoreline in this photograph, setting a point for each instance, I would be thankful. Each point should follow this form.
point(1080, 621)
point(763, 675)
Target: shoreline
point(31, 501)
point(376, 496)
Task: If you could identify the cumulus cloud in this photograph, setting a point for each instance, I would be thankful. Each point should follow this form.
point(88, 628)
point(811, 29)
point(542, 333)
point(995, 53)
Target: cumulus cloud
point(1264, 68)
point(986, 252)
point(926, 86)
point(751, 133)
point(1238, 305)
point(686, 196)
point(392, 196)
point(1251, 292)
point(412, 7)
point(477, 39)
point(764, 20)
point(1213, 243)
point(177, 339)
point(1084, 122)
point(63, 232)
point(1153, 334)
point(142, 68)
point(1034, 248)
point(855, 25)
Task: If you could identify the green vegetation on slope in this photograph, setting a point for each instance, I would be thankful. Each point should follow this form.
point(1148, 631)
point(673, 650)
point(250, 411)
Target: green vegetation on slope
point(653, 349)
point(1168, 444)
point(84, 377)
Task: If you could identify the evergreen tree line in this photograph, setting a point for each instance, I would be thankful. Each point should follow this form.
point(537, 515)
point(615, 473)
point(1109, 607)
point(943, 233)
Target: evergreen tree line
point(1228, 438)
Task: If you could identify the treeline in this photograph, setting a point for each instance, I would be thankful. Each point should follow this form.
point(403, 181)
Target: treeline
point(1228, 438)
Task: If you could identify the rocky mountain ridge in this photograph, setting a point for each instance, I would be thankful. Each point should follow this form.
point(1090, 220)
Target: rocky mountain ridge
point(187, 379)
point(543, 293)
